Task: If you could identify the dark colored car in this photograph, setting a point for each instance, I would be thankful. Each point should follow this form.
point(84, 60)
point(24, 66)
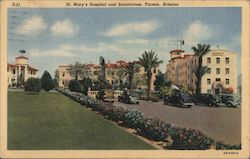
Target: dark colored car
point(206, 99)
point(228, 100)
point(127, 98)
point(179, 99)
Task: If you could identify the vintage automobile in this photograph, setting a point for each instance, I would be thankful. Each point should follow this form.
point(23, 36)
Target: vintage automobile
point(179, 99)
point(228, 100)
point(127, 98)
point(206, 99)
point(106, 95)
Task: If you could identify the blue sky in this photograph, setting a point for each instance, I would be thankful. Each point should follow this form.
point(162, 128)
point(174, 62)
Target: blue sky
point(62, 36)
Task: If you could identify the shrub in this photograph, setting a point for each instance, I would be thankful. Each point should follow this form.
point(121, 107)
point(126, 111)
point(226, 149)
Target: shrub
point(133, 118)
point(32, 85)
point(100, 95)
point(222, 146)
point(75, 86)
point(155, 129)
point(186, 139)
point(47, 82)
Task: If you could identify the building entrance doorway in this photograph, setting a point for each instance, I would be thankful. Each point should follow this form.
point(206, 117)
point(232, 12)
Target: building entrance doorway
point(218, 89)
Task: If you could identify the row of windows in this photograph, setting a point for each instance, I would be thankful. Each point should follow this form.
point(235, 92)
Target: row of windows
point(227, 70)
point(218, 60)
point(218, 80)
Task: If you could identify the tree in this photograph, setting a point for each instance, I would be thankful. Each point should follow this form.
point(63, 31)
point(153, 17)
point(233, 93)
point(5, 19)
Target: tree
point(56, 78)
point(76, 69)
point(86, 84)
point(161, 81)
point(75, 86)
point(120, 74)
point(131, 68)
point(103, 68)
point(47, 81)
point(199, 70)
point(32, 85)
point(149, 60)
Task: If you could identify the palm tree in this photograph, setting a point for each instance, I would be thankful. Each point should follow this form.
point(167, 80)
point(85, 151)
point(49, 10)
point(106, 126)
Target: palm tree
point(22, 51)
point(76, 69)
point(120, 74)
point(131, 68)
point(149, 60)
point(199, 70)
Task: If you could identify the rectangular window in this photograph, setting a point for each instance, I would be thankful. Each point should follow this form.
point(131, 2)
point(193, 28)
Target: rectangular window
point(217, 70)
point(95, 72)
point(217, 79)
point(208, 70)
point(227, 60)
point(154, 70)
point(227, 81)
point(208, 60)
point(227, 70)
point(209, 91)
point(217, 60)
point(209, 81)
point(14, 71)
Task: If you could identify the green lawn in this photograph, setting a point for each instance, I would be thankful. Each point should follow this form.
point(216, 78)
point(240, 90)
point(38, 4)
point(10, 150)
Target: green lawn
point(51, 121)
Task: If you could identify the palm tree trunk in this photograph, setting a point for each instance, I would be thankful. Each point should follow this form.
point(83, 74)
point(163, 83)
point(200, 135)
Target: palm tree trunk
point(149, 74)
point(198, 86)
point(130, 82)
point(76, 76)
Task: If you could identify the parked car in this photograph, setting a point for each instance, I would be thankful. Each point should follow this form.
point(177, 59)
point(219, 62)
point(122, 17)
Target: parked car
point(106, 95)
point(228, 100)
point(125, 97)
point(206, 99)
point(179, 99)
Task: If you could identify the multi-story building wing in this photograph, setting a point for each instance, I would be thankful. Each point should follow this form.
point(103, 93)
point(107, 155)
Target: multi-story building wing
point(113, 71)
point(20, 71)
point(221, 73)
point(64, 76)
point(179, 69)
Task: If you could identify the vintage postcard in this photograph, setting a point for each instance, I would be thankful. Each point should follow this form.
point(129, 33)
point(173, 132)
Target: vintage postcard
point(124, 79)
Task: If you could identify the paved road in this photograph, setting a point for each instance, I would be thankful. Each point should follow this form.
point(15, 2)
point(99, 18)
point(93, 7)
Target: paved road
point(218, 123)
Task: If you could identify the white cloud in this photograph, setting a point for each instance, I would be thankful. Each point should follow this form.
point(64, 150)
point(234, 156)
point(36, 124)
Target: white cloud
point(197, 32)
point(134, 41)
point(62, 51)
point(132, 28)
point(33, 25)
point(64, 28)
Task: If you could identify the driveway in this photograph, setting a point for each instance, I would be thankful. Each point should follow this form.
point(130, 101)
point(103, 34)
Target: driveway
point(221, 123)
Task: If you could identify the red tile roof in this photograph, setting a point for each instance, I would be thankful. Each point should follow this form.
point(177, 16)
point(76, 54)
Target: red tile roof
point(32, 68)
point(22, 57)
point(63, 65)
point(177, 50)
point(11, 65)
point(29, 67)
point(121, 62)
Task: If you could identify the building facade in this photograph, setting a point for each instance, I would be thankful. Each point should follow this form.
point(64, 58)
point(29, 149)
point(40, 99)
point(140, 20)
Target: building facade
point(221, 72)
point(19, 72)
point(113, 72)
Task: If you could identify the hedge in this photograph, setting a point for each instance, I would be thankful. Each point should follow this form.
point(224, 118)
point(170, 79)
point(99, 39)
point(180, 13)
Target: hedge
point(152, 128)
